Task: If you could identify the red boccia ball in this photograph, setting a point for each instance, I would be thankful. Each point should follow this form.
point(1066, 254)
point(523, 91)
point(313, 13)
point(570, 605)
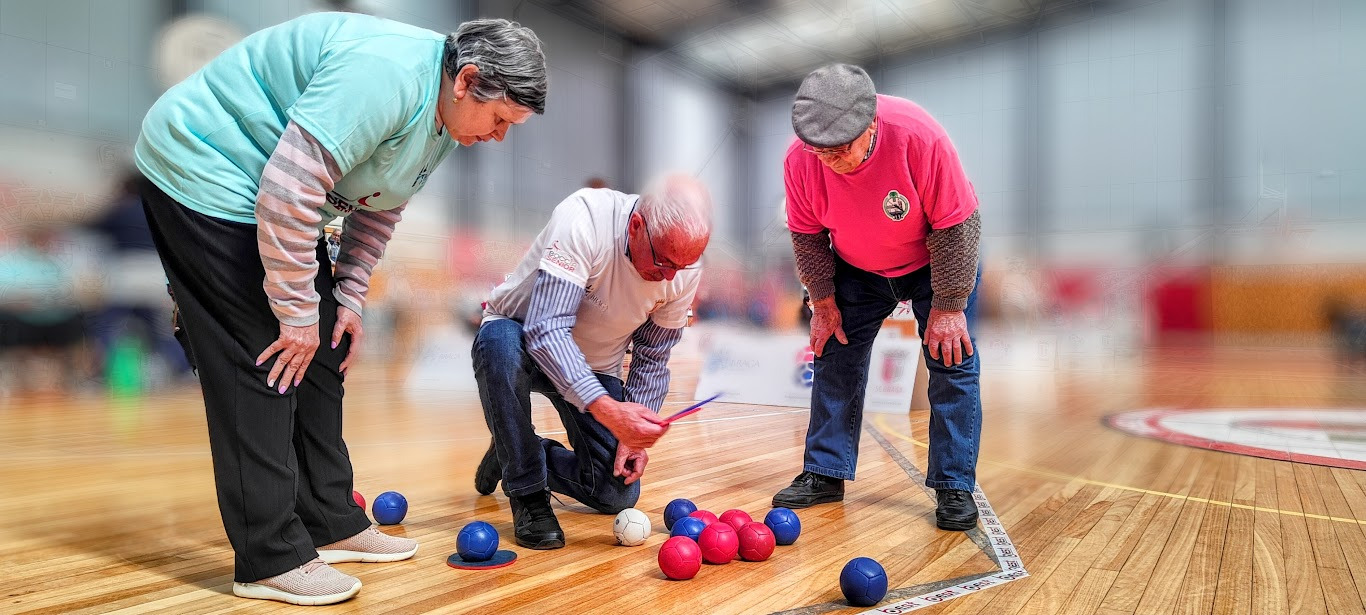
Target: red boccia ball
point(360, 499)
point(736, 518)
point(719, 543)
point(680, 558)
point(756, 542)
point(705, 515)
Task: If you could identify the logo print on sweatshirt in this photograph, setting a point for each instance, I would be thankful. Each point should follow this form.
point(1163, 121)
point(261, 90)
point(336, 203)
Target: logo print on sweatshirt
point(560, 258)
point(896, 206)
point(345, 206)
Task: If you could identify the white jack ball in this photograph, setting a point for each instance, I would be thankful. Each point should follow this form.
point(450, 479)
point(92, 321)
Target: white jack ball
point(631, 527)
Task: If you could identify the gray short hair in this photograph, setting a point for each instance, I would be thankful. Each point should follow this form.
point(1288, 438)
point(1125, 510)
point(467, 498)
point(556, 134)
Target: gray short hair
point(509, 58)
point(677, 204)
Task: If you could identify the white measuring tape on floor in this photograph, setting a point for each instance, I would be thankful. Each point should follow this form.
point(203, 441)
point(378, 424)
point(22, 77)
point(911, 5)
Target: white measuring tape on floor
point(1012, 567)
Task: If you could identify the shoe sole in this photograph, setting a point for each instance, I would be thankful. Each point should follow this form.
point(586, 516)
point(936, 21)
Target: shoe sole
point(337, 556)
point(825, 499)
point(955, 527)
point(544, 545)
point(263, 592)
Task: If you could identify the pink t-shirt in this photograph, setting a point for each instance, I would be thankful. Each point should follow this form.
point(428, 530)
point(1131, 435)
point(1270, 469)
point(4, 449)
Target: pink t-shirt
point(880, 213)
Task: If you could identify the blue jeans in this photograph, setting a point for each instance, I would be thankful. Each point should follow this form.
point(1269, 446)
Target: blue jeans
point(841, 376)
point(507, 376)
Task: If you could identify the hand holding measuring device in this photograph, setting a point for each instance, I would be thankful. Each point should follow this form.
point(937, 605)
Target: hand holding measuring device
point(690, 409)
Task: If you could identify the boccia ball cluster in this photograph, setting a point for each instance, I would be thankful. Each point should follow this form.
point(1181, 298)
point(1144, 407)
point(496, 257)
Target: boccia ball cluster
point(699, 535)
point(695, 536)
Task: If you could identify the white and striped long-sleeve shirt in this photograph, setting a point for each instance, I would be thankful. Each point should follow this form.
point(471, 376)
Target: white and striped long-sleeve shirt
point(550, 342)
point(294, 187)
point(582, 303)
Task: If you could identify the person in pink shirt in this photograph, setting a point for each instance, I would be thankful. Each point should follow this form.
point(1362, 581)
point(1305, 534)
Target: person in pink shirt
point(880, 212)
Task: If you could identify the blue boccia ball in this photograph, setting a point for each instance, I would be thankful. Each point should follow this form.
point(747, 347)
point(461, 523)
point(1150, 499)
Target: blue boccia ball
point(477, 542)
point(389, 508)
point(676, 510)
point(785, 525)
point(689, 526)
point(863, 582)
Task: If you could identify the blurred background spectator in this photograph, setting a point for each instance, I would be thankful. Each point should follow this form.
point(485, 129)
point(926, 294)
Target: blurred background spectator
point(1151, 173)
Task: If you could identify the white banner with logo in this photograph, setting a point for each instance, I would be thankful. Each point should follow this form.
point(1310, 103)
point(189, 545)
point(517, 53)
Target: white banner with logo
point(754, 366)
point(443, 362)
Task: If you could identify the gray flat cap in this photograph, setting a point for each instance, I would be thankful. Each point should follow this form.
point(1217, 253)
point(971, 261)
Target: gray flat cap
point(834, 105)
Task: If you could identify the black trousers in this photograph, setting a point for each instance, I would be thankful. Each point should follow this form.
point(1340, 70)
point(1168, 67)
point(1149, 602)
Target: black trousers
point(283, 475)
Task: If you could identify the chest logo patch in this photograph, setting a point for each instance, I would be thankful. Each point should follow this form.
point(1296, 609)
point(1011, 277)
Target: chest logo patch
point(896, 206)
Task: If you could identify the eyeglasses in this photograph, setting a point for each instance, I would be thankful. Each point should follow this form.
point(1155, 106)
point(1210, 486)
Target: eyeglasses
point(655, 257)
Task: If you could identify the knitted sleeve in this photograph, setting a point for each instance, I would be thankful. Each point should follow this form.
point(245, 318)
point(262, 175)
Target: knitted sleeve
point(815, 263)
point(953, 263)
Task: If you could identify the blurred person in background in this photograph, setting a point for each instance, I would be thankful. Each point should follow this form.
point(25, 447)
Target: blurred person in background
point(328, 115)
point(608, 272)
point(1347, 326)
point(880, 212)
point(136, 305)
point(334, 245)
point(401, 316)
point(1021, 298)
point(42, 327)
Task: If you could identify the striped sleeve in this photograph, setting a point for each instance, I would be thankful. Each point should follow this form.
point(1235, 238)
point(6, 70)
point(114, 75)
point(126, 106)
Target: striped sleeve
point(294, 186)
point(550, 342)
point(648, 381)
point(362, 245)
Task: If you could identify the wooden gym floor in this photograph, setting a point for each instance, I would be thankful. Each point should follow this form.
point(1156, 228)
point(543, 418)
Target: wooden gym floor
point(108, 506)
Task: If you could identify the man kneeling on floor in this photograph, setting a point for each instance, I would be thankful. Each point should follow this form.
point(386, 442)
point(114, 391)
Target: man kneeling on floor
point(609, 271)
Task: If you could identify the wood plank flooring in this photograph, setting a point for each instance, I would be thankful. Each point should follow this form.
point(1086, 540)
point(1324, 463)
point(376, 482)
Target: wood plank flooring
point(108, 505)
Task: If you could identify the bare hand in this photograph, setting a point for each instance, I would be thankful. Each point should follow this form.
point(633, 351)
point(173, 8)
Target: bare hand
point(634, 425)
point(347, 322)
point(630, 463)
point(946, 334)
point(296, 346)
point(826, 321)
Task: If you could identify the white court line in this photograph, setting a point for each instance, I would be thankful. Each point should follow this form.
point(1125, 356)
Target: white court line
point(1012, 567)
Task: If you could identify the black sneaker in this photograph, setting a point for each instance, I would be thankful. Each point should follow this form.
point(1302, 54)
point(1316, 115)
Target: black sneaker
point(489, 473)
point(810, 489)
point(534, 523)
point(956, 511)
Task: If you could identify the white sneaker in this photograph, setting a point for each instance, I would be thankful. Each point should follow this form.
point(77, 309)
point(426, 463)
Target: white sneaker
point(311, 584)
point(371, 545)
